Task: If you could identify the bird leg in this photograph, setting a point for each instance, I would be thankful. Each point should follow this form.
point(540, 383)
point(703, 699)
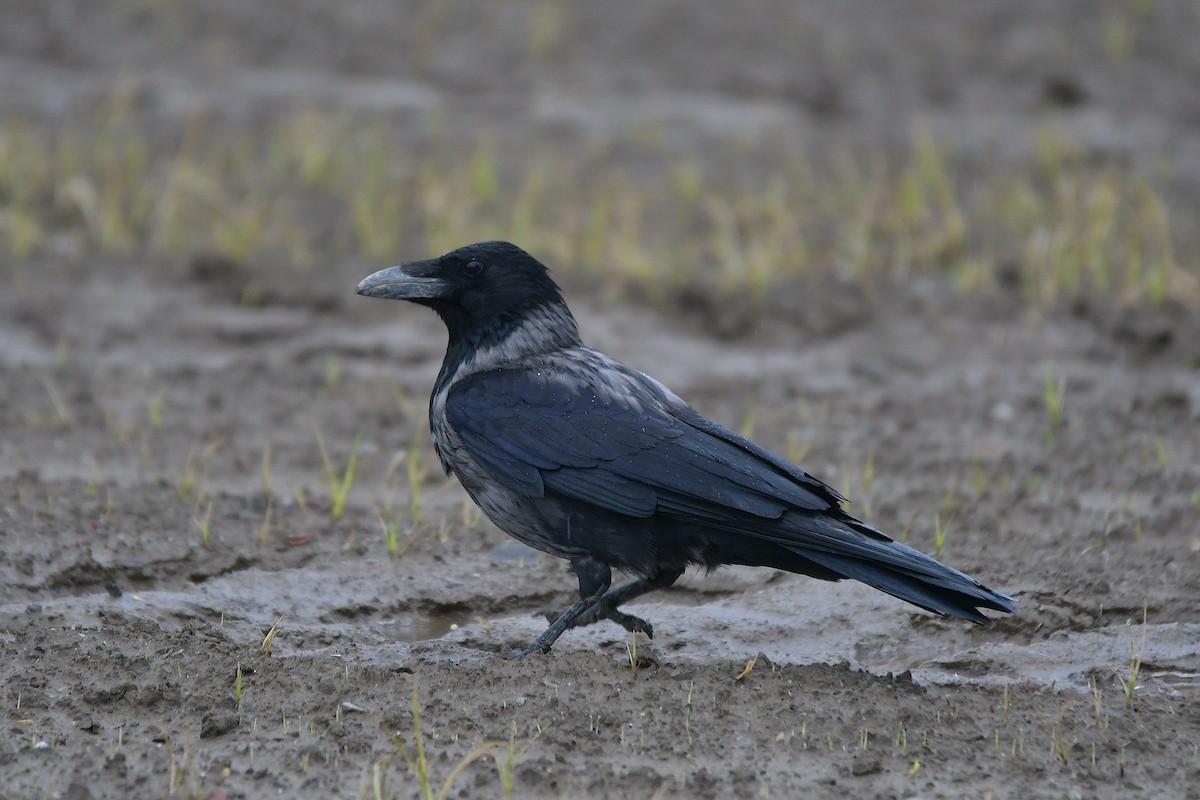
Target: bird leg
point(594, 579)
point(606, 606)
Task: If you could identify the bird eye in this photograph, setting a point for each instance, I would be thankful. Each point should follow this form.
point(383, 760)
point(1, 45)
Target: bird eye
point(472, 268)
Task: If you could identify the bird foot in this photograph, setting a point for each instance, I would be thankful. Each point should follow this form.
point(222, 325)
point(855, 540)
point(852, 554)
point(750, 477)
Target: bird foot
point(632, 624)
point(542, 643)
point(596, 613)
point(514, 654)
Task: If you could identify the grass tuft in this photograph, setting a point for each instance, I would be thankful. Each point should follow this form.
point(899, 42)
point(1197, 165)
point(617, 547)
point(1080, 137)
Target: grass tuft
point(1136, 655)
point(204, 523)
point(1063, 224)
point(268, 641)
point(418, 762)
point(1054, 392)
point(62, 414)
point(939, 535)
point(340, 481)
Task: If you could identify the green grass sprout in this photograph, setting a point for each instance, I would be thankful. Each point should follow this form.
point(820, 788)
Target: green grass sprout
point(1136, 656)
point(939, 535)
point(1072, 223)
point(418, 762)
point(340, 481)
point(204, 523)
point(1054, 391)
point(62, 414)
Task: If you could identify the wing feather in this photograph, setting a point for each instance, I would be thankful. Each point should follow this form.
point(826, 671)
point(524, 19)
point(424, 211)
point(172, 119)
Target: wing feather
point(624, 446)
point(605, 435)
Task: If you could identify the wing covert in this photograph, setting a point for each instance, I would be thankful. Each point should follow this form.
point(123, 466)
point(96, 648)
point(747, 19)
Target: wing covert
point(616, 439)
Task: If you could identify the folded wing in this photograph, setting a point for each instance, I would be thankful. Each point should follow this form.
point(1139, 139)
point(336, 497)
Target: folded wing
point(610, 437)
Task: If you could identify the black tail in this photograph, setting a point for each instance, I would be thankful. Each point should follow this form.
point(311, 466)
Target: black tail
point(843, 547)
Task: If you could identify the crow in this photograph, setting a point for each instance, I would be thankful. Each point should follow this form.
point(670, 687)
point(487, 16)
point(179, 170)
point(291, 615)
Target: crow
point(582, 457)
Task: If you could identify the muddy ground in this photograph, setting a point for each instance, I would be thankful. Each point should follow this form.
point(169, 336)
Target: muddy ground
point(164, 501)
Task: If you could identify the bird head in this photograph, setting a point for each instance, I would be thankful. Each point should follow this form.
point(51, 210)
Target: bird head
point(488, 286)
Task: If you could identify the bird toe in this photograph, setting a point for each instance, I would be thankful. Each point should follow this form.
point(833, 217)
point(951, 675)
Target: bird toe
point(631, 623)
point(514, 654)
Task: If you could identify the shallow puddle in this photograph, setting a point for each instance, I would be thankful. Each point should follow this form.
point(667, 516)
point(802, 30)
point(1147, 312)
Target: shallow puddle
point(417, 627)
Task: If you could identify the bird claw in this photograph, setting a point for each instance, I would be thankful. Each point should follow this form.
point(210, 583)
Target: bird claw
point(627, 621)
point(536, 646)
point(514, 654)
point(593, 614)
point(631, 623)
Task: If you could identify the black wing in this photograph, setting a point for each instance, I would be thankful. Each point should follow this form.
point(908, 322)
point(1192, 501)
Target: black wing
point(602, 434)
point(615, 439)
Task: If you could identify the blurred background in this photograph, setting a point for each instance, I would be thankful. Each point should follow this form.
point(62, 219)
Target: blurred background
point(1046, 148)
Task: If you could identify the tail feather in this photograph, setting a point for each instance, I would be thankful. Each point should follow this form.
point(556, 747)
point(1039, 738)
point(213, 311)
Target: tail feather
point(852, 549)
point(955, 595)
point(832, 545)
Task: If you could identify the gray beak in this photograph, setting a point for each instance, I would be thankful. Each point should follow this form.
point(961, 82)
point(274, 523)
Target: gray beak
point(406, 282)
